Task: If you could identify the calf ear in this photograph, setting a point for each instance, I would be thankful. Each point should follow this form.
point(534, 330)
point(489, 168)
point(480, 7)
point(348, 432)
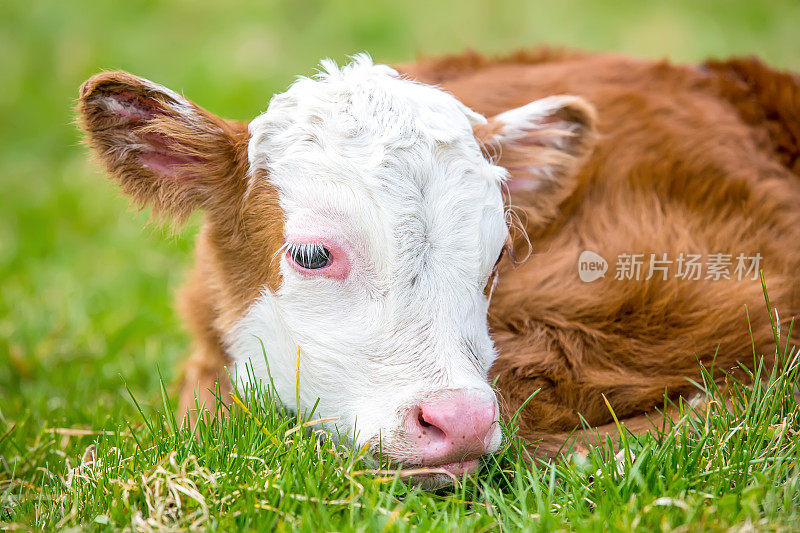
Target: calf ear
point(163, 150)
point(764, 98)
point(541, 144)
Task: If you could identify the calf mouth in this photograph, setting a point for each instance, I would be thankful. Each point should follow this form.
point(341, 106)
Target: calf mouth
point(430, 476)
point(457, 468)
point(434, 477)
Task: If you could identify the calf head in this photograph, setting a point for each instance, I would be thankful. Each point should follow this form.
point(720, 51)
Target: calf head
point(355, 228)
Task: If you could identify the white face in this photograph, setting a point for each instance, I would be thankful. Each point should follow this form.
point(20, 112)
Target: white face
point(385, 190)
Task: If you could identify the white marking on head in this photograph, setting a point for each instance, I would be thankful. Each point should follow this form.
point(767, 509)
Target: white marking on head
point(385, 173)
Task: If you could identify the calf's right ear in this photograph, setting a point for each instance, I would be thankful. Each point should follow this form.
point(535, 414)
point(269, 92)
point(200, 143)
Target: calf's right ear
point(162, 150)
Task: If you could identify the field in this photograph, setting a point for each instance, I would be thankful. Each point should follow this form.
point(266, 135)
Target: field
point(90, 346)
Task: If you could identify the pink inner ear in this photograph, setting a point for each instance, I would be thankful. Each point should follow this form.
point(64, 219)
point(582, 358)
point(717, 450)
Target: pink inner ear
point(523, 184)
point(157, 152)
point(550, 132)
point(162, 158)
point(131, 105)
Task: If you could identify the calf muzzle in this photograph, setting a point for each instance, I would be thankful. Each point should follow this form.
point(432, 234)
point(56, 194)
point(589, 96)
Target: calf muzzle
point(456, 427)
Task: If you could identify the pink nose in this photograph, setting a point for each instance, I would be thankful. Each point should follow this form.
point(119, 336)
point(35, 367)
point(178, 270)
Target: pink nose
point(458, 426)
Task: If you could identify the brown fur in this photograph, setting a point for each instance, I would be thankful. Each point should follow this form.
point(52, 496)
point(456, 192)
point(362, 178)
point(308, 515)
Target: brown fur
point(243, 224)
point(686, 159)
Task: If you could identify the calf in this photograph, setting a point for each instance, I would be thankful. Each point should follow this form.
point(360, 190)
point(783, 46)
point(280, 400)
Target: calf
point(357, 227)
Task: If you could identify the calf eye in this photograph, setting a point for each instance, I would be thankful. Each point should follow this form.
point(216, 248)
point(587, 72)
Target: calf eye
point(310, 256)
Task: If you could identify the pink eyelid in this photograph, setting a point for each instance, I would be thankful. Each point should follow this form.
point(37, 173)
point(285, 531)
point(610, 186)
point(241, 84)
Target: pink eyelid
point(339, 265)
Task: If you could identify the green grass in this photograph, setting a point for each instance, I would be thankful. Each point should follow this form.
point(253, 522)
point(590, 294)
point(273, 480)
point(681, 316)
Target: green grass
point(734, 463)
point(85, 293)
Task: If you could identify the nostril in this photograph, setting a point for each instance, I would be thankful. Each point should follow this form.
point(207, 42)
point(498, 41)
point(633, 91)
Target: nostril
point(422, 422)
point(428, 428)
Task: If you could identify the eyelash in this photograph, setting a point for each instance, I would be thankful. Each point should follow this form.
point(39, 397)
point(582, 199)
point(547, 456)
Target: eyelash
point(304, 255)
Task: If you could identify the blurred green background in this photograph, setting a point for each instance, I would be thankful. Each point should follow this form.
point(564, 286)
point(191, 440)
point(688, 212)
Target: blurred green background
point(86, 288)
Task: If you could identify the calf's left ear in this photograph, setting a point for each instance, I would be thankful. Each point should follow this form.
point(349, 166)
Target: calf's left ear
point(162, 150)
point(541, 144)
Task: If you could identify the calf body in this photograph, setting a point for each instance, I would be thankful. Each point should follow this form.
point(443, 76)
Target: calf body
point(689, 160)
point(357, 227)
